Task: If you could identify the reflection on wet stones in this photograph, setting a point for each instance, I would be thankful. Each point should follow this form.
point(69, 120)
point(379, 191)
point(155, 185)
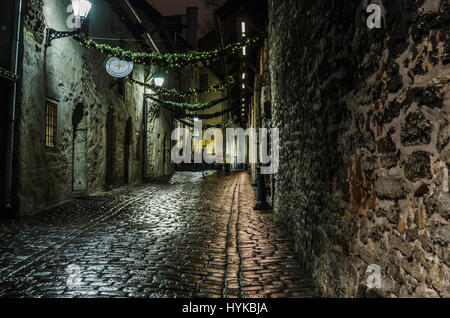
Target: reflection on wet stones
point(190, 236)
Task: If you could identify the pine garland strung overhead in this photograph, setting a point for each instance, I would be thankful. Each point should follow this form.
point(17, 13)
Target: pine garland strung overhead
point(185, 106)
point(207, 116)
point(173, 60)
point(220, 125)
point(179, 114)
point(206, 126)
point(184, 122)
point(172, 92)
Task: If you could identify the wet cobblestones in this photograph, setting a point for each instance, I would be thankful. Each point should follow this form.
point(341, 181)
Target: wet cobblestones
point(188, 237)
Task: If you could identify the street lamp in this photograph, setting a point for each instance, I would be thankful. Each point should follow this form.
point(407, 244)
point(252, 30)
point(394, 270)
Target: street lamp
point(81, 10)
point(157, 78)
point(159, 81)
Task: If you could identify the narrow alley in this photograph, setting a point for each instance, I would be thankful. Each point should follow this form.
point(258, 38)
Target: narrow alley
point(187, 236)
point(225, 149)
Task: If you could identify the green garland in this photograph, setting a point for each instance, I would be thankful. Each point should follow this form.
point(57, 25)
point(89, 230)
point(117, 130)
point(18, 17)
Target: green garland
point(184, 122)
point(172, 92)
point(220, 125)
point(185, 106)
point(173, 60)
point(206, 126)
point(199, 116)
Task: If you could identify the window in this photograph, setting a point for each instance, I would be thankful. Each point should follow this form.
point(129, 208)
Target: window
point(51, 116)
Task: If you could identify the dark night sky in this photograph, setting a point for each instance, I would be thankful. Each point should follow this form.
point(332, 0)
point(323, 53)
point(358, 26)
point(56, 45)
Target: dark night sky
point(174, 7)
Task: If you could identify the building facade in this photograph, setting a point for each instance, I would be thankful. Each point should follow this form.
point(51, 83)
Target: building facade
point(78, 130)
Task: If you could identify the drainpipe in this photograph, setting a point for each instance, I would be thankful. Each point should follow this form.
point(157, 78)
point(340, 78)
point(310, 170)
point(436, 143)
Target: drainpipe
point(10, 142)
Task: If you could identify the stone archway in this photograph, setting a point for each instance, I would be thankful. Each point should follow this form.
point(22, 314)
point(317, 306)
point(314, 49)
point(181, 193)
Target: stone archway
point(79, 157)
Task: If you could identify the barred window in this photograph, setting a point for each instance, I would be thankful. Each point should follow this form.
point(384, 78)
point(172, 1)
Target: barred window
point(51, 113)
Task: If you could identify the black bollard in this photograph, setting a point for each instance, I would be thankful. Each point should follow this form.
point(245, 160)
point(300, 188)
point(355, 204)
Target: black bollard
point(261, 203)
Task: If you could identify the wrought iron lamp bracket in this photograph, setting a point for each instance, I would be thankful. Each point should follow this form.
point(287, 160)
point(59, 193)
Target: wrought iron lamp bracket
point(53, 35)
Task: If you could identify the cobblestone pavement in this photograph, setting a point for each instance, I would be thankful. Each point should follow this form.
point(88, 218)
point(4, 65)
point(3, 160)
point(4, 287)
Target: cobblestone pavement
point(188, 237)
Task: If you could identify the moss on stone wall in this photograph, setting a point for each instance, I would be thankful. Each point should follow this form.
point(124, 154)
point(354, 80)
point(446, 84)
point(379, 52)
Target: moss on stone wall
point(34, 20)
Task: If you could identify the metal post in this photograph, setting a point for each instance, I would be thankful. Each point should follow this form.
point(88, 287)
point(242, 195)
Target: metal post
point(261, 203)
point(12, 113)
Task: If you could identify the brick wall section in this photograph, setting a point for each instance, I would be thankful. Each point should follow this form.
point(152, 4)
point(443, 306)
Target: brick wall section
point(364, 134)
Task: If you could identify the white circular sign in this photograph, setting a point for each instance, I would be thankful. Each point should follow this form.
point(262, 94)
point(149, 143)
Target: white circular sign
point(118, 68)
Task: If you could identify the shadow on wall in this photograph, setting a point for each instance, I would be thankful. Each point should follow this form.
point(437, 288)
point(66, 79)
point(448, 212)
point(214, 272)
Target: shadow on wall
point(79, 157)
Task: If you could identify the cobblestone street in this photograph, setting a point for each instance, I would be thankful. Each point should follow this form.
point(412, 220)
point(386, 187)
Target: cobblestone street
point(187, 237)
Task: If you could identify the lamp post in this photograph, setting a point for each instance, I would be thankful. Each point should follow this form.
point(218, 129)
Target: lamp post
point(81, 10)
point(261, 203)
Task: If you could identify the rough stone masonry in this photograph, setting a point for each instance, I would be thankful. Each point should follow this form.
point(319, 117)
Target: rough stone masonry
point(364, 133)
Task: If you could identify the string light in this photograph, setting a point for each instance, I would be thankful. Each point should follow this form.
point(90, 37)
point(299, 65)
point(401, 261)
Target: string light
point(172, 92)
point(186, 106)
point(172, 60)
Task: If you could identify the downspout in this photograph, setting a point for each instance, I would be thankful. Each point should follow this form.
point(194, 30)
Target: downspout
point(10, 143)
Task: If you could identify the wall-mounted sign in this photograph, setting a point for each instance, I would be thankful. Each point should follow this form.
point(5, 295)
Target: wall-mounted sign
point(118, 68)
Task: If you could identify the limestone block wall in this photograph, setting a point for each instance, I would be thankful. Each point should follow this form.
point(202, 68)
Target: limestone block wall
point(76, 79)
point(159, 143)
point(364, 133)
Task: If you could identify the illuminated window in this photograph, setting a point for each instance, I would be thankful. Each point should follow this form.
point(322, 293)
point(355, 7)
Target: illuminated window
point(243, 75)
point(244, 50)
point(51, 116)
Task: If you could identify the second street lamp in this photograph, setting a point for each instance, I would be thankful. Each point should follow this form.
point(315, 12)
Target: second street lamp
point(159, 81)
point(81, 10)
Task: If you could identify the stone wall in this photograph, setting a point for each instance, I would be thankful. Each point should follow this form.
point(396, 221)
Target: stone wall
point(159, 143)
point(76, 79)
point(364, 134)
